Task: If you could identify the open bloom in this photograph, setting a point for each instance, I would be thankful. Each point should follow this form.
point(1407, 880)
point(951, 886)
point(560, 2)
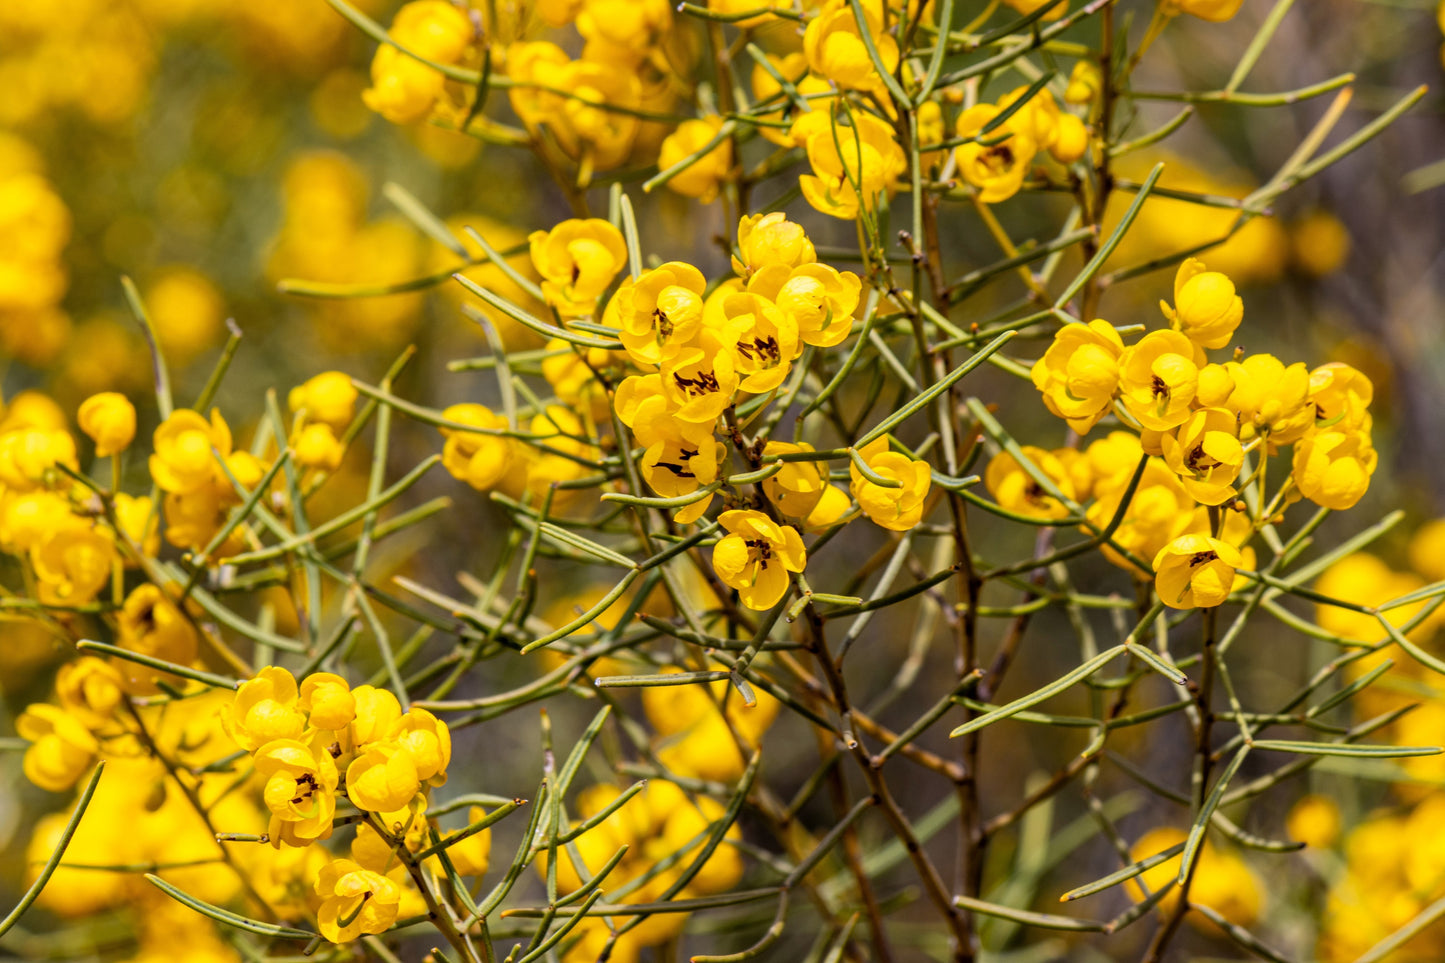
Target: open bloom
point(1206, 309)
point(681, 456)
point(897, 509)
point(61, 748)
point(151, 624)
point(1271, 399)
point(1017, 491)
point(764, 341)
point(183, 461)
point(817, 298)
point(661, 311)
point(403, 90)
point(88, 689)
point(701, 378)
point(997, 167)
point(1340, 395)
point(1206, 455)
point(1332, 468)
point(799, 486)
point(482, 460)
point(300, 786)
point(835, 47)
point(756, 556)
point(852, 165)
point(1195, 571)
point(1158, 379)
point(577, 260)
point(354, 901)
point(705, 176)
point(1079, 373)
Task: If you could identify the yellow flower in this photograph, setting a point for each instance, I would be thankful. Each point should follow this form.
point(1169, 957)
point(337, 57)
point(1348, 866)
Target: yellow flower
point(1332, 468)
point(1195, 571)
point(382, 778)
point(756, 556)
point(61, 748)
point(798, 488)
point(1084, 82)
point(29, 456)
point(428, 741)
point(89, 691)
point(705, 176)
point(851, 165)
point(771, 239)
point(72, 563)
point(1206, 455)
point(623, 32)
point(1158, 379)
point(1037, 119)
point(764, 341)
point(701, 378)
point(403, 90)
point(1340, 395)
point(1314, 821)
point(329, 398)
point(817, 298)
point(1014, 489)
point(577, 260)
point(183, 462)
point(481, 460)
point(327, 701)
point(1271, 399)
point(300, 788)
point(355, 901)
point(109, 419)
point(584, 126)
point(376, 711)
point(151, 624)
point(834, 504)
point(897, 509)
point(661, 311)
point(836, 50)
point(1079, 373)
point(1206, 309)
point(681, 456)
point(264, 709)
point(1215, 11)
point(316, 446)
point(997, 170)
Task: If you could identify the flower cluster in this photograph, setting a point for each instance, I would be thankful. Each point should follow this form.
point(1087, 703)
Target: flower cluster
point(1198, 423)
point(321, 741)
